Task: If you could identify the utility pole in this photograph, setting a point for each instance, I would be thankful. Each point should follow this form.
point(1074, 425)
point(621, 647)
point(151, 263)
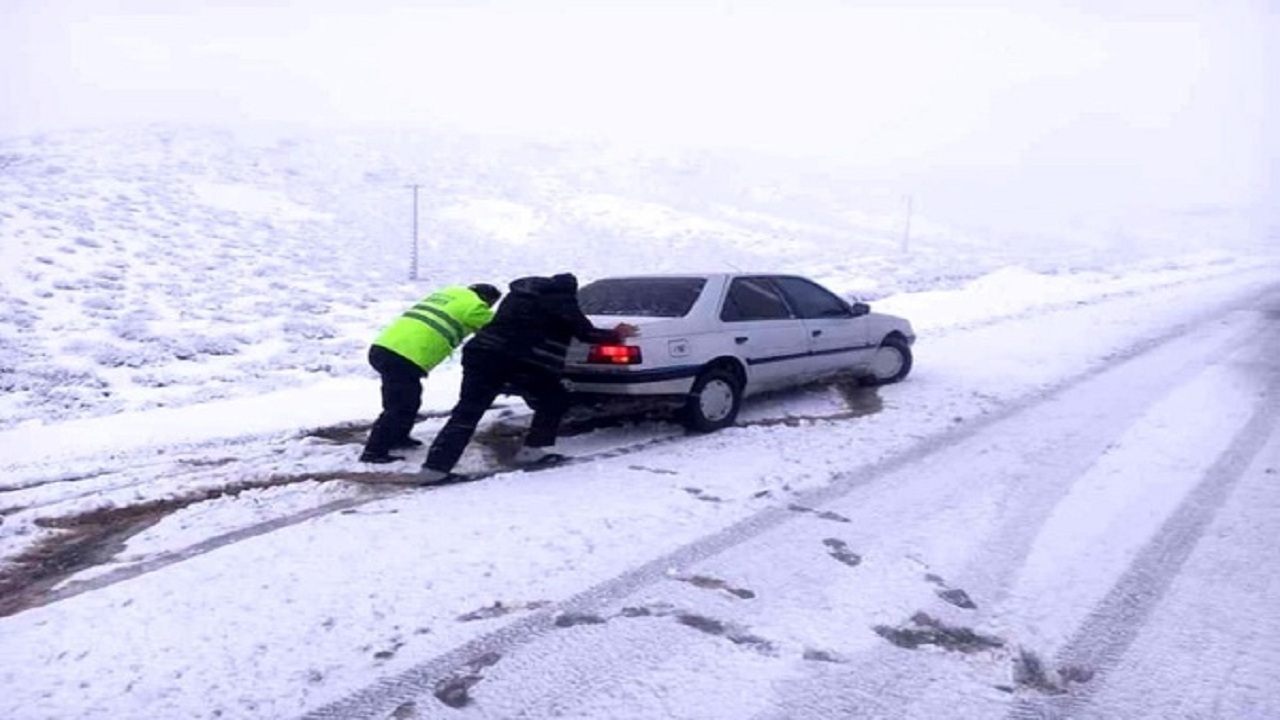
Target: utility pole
point(906, 230)
point(413, 263)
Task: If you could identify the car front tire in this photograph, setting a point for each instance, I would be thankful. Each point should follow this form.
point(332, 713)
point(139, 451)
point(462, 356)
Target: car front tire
point(891, 362)
point(713, 402)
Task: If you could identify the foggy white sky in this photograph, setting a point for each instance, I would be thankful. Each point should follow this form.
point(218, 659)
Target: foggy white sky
point(1170, 96)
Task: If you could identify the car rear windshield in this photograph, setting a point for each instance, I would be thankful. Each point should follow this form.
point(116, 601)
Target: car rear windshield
point(643, 297)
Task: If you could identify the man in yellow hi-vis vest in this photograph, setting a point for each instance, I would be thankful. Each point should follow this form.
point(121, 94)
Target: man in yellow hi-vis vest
point(407, 349)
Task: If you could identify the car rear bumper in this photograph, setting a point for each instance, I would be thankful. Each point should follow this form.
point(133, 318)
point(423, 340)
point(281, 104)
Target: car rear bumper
point(662, 381)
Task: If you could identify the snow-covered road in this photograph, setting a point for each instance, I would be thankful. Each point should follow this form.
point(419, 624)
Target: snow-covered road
point(1037, 522)
point(1043, 561)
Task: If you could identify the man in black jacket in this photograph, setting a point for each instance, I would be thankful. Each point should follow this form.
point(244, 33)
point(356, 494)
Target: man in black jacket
point(522, 350)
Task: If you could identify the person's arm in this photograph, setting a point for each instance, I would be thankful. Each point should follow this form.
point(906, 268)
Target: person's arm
point(477, 316)
point(616, 334)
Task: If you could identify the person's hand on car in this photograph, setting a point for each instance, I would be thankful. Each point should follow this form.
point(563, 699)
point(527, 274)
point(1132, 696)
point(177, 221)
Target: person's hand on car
point(626, 330)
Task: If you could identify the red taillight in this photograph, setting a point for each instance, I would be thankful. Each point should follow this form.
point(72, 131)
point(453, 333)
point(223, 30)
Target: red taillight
point(614, 355)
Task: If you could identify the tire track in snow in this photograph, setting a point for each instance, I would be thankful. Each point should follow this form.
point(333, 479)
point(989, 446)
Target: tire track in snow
point(1113, 626)
point(106, 481)
point(370, 494)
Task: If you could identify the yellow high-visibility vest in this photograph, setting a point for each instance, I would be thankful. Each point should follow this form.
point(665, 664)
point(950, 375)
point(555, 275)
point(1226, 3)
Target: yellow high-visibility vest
point(433, 328)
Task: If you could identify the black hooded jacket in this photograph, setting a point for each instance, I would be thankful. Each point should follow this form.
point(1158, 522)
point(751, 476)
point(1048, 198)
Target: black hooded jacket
point(535, 322)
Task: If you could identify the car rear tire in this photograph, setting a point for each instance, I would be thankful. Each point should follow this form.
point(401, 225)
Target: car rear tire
point(713, 402)
point(891, 362)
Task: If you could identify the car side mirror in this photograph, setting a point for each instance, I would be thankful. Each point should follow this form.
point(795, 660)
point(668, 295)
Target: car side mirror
point(859, 309)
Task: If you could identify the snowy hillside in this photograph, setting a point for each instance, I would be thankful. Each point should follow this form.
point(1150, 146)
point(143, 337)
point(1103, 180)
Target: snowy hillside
point(169, 265)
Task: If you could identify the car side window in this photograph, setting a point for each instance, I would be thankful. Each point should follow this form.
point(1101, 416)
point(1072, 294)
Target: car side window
point(811, 300)
point(753, 299)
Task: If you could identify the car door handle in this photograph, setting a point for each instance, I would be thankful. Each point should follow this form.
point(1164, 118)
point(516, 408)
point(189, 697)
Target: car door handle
point(740, 339)
point(816, 333)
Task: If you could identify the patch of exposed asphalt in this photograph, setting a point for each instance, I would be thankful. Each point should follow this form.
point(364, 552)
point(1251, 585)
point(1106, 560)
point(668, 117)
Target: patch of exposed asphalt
point(655, 471)
point(839, 550)
point(955, 596)
point(958, 597)
point(924, 629)
point(710, 583)
point(825, 515)
point(82, 542)
point(88, 539)
point(1030, 674)
point(207, 462)
point(702, 495)
point(719, 628)
point(734, 633)
point(354, 433)
point(860, 401)
point(827, 656)
point(407, 711)
point(455, 689)
point(571, 619)
point(502, 437)
point(499, 608)
point(344, 434)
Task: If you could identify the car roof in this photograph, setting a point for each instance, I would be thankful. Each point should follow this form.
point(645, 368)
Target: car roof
point(708, 275)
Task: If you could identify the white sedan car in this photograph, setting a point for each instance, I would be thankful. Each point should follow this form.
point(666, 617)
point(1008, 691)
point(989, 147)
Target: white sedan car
point(709, 340)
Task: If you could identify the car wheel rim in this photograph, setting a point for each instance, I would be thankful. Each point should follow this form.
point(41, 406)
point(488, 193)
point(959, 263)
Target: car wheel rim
point(886, 363)
point(716, 400)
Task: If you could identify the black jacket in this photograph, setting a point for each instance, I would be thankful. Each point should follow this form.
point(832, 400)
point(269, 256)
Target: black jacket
point(535, 322)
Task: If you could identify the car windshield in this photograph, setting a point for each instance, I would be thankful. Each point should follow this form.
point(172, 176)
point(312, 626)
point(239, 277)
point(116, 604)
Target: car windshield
point(642, 297)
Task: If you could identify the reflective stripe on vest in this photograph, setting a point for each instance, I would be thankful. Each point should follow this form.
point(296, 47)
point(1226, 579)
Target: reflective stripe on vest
point(440, 321)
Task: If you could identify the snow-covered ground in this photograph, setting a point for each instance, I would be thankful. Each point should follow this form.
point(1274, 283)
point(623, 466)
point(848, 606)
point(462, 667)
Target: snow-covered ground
point(185, 392)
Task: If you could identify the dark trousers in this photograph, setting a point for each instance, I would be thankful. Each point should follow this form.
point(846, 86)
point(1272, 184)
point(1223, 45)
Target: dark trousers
point(485, 376)
point(401, 399)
